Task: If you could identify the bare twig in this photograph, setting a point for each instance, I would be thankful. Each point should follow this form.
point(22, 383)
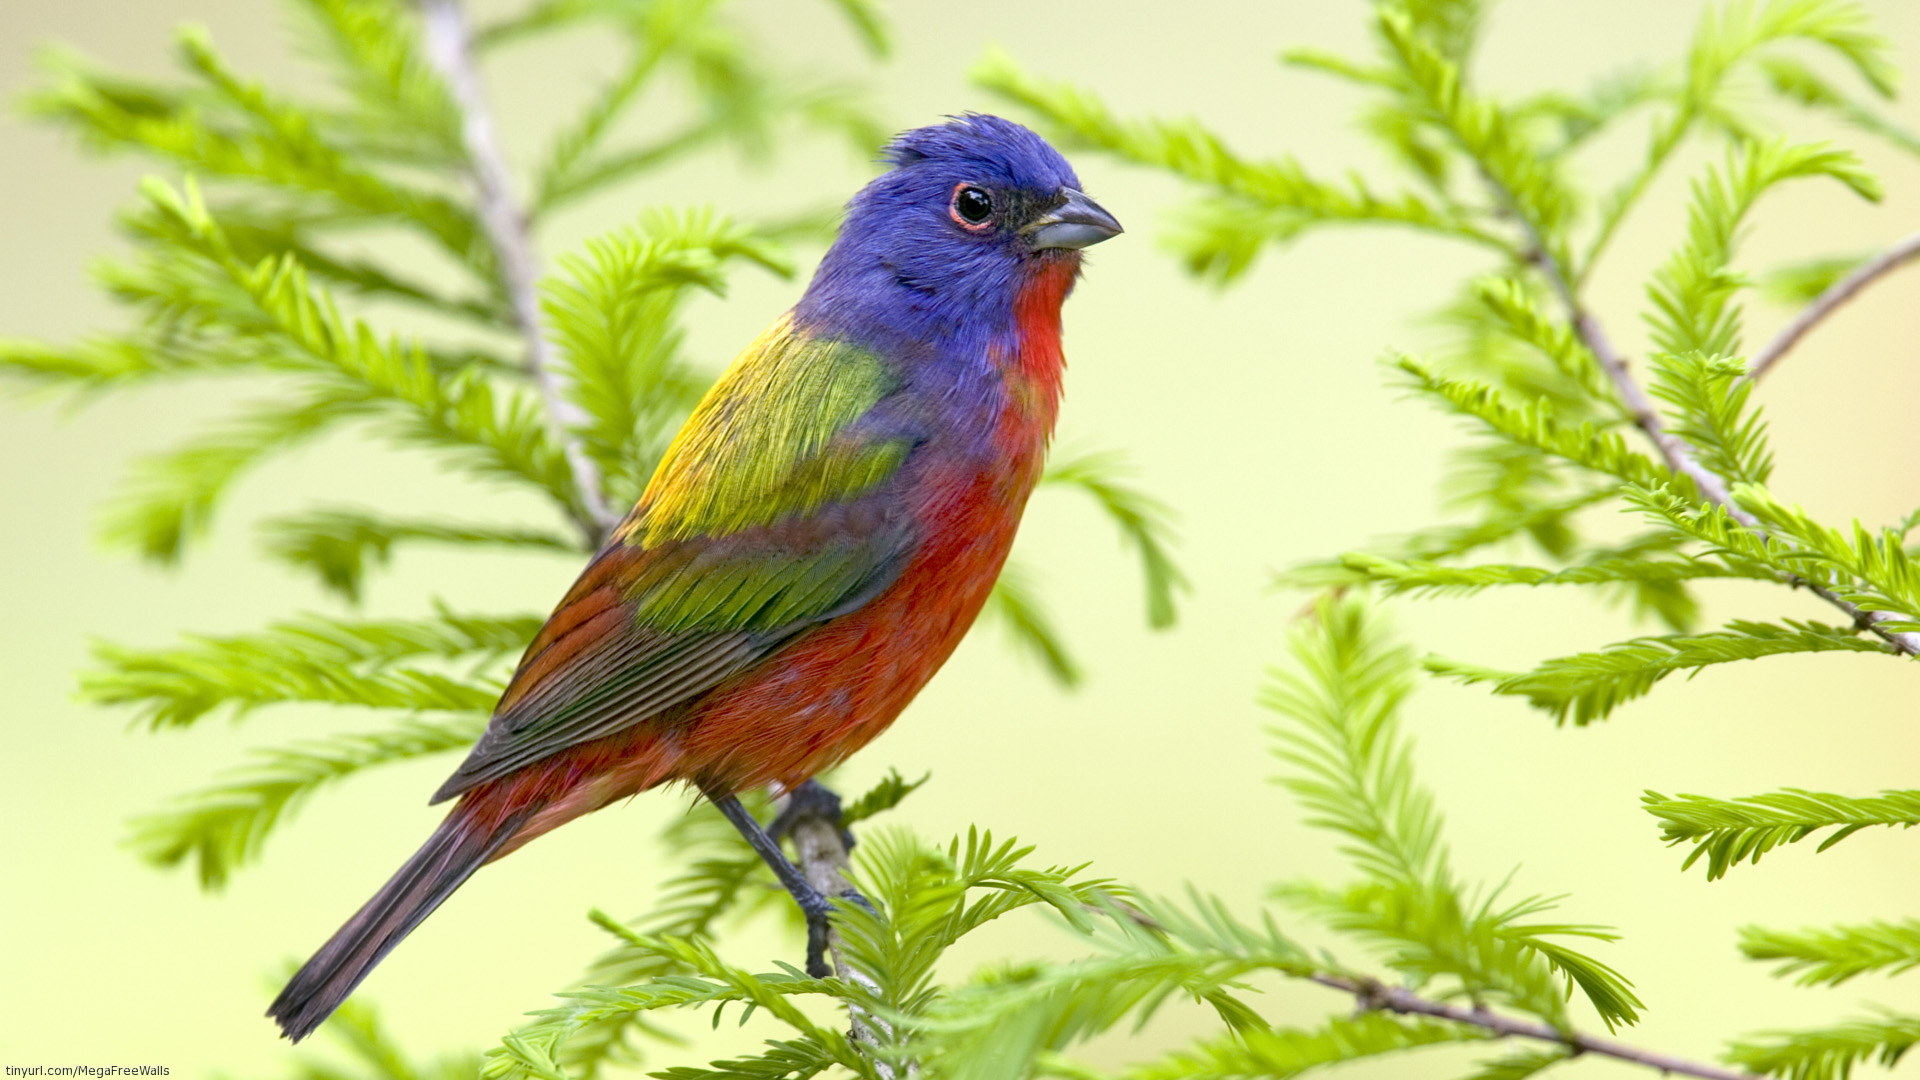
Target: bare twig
point(822, 857)
point(450, 47)
point(1373, 995)
point(1674, 450)
point(1837, 294)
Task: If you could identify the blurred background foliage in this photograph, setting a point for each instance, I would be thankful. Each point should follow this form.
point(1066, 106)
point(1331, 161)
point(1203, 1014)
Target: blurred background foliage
point(326, 283)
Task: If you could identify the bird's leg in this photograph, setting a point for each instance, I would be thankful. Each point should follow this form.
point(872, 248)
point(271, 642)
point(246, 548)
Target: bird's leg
point(813, 905)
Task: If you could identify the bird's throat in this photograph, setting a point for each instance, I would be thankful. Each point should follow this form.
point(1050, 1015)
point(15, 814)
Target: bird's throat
point(1038, 364)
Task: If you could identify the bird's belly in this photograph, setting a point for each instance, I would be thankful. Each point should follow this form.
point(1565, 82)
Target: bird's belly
point(810, 705)
point(798, 712)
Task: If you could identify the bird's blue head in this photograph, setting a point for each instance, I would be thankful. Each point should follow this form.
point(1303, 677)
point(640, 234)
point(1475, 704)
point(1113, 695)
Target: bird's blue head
point(971, 212)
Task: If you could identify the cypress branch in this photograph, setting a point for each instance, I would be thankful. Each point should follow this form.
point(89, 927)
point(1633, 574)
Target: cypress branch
point(168, 500)
point(615, 313)
point(257, 233)
point(1729, 832)
point(246, 136)
point(1353, 772)
point(1528, 193)
point(400, 109)
point(225, 827)
point(995, 1029)
point(1802, 85)
point(1144, 523)
point(314, 659)
point(175, 690)
point(559, 175)
point(1291, 198)
point(338, 544)
point(1536, 424)
point(1829, 1053)
point(1291, 1051)
point(1829, 956)
point(495, 431)
point(1421, 576)
point(1726, 40)
point(1015, 602)
point(1587, 687)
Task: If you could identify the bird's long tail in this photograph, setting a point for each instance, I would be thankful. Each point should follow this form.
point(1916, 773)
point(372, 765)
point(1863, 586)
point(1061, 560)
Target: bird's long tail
point(462, 843)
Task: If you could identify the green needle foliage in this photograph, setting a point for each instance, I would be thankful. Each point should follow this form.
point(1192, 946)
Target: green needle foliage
point(1729, 832)
point(336, 661)
point(1832, 955)
point(1588, 687)
point(224, 827)
point(1354, 775)
point(1563, 425)
point(1829, 1053)
point(373, 1053)
point(338, 544)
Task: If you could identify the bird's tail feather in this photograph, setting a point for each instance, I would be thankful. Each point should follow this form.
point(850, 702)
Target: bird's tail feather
point(462, 843)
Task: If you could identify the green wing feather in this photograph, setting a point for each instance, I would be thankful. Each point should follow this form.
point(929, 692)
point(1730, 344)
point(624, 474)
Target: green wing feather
point(763, 521)
point(775, 439)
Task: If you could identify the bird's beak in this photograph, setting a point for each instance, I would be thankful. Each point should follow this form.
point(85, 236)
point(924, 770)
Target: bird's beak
point(1076, 223)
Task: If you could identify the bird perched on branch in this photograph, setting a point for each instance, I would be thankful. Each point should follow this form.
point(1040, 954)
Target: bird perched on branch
point(812, 547)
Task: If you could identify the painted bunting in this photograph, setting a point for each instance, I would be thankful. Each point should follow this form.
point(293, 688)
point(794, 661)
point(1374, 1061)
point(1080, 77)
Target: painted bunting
point(811, 548)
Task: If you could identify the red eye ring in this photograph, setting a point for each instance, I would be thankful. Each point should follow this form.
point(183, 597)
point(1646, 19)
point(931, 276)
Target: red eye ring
point(971, 207)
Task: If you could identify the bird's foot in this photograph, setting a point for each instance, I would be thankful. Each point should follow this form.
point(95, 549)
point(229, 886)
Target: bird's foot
point(810, 800)
point(817, 910)
point(805, 803)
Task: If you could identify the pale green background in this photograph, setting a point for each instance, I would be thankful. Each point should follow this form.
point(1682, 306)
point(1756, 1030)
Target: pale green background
point(1258, 413)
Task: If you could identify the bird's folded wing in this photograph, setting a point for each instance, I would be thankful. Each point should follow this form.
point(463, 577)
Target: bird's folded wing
point(742, 542)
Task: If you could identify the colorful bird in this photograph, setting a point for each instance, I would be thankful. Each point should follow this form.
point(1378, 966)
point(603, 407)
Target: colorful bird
point(810, 550)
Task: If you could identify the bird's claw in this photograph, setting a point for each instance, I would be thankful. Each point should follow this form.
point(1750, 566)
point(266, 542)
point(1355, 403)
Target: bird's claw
point(818, 911)
point(852, 896)
point(817, 966)
point(809, 800)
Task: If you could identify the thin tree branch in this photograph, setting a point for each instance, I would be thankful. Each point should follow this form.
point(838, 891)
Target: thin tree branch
point(1373, 995)
point(450, 48)
point(1837, 294)
point(1673, 449)
point(822, 856)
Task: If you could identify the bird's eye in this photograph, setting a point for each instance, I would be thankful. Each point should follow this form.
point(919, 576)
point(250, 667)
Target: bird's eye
point(971, 205)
